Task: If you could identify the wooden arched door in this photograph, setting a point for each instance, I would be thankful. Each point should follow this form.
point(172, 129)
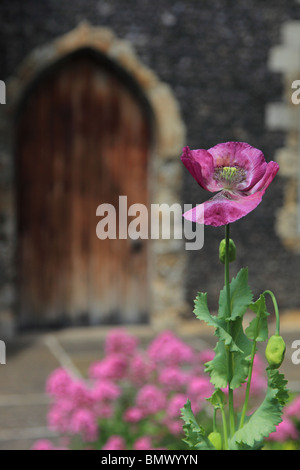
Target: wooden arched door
point(83, 137)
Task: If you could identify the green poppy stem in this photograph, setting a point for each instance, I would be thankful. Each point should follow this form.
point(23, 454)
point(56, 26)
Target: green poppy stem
point(275, 309)
point(225, 434)
point(243, 415)
point(215, 420)
point(247, 394)
point(229, 353)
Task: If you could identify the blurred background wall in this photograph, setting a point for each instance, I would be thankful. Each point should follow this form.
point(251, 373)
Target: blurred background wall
point(214, 55)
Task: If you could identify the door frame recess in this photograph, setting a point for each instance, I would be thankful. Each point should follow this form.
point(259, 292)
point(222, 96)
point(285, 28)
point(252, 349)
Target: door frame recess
point(167, 304)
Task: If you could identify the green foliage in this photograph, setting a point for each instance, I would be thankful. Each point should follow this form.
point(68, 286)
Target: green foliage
point(202, 313)
point(231, 336)
point(232, 366)
point(258, 328)
point(218, 367)
point(267, 416)
point(240, 297)
point(195, 434)
point(217, 399)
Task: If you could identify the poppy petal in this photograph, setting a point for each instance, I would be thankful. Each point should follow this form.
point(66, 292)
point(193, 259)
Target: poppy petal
point(224, 208)
point(266, 180)
point(201, 166)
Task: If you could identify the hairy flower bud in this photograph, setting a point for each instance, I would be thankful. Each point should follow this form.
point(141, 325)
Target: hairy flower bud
point(275, 351)
point(216, 439)
point(231, 251)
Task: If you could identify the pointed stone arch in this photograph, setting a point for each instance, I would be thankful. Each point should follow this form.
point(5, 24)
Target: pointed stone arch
point(170, 129)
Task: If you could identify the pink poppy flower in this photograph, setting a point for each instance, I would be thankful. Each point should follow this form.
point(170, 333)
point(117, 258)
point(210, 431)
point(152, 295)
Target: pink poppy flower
point(238, 173)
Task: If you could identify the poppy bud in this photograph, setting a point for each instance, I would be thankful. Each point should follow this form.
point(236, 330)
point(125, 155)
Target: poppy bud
point(275, 351)
point(231, 251)
point(216, 439)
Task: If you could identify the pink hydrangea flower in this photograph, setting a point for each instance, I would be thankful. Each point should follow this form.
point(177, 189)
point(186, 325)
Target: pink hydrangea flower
point(172, 378)
point(284, 431)
point(140, 369)
point(79, 394)
point(59, 415)
point(150, 399)
point(206, 355)
point(112, 367)
point(118, 341)
point(84, 422)
point(43, 444)
point(259, 364)
point(167, 348)
point(175, 404)
point(238, 173)
point(293, 409)
point(143, 443)
point(174, 426)
point(104, 410)
point(105, 390)
point(199, 388)
point(58, 383)
point(114, 443)
point(258, 384)
point(133, 415)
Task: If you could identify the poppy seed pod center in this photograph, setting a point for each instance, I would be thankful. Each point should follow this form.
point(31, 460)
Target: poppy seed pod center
point(229, 176)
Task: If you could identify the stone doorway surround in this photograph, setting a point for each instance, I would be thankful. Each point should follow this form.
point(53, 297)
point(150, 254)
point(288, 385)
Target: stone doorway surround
point(285, 116)
point(167, 257)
